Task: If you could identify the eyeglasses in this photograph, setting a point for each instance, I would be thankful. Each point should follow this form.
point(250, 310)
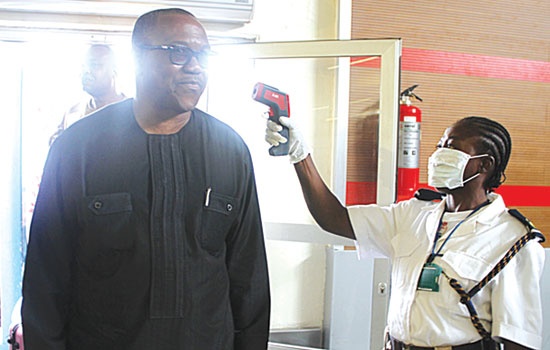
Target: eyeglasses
point(181, 55)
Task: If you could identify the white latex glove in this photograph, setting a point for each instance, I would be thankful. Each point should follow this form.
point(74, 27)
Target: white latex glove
point(298, 148)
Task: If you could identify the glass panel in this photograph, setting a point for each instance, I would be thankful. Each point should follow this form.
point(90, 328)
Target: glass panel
point(297, 273)
point(310, 84)
point(331, 90)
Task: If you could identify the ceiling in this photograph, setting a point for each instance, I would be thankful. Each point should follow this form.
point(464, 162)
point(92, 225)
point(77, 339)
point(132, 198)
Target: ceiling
point(20, 18)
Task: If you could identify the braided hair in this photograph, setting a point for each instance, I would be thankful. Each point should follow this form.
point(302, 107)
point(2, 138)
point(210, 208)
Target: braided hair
point(494, 140)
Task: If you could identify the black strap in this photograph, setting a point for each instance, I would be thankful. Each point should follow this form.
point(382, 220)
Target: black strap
point(466, 298)
point(532, 229)
point(425, 194)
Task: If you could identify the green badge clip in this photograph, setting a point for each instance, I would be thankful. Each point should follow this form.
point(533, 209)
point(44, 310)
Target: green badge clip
point(429, 278)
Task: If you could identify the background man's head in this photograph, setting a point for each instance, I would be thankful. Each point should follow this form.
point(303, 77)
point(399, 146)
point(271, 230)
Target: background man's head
point(99, 70)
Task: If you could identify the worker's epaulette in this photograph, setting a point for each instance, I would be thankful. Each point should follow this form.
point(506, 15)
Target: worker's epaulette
point(532, 229)
point(425, 194)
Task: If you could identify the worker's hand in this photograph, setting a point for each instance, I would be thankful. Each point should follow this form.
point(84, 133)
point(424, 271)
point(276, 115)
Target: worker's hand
point(298, 148)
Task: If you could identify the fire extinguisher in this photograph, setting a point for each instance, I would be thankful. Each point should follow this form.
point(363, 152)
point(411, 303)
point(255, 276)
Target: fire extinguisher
point(408, 172)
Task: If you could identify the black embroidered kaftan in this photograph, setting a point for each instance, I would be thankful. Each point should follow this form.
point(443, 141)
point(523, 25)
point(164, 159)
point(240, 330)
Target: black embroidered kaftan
point(145, 241)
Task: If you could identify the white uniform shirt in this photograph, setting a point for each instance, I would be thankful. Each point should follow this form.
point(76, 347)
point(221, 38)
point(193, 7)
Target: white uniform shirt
point(509, 306)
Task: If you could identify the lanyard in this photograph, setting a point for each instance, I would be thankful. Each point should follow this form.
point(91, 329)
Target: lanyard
point(438, 233)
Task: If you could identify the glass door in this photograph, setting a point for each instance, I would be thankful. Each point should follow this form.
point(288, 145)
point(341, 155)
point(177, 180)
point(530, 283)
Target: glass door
point(333, 94)
point(344, 98)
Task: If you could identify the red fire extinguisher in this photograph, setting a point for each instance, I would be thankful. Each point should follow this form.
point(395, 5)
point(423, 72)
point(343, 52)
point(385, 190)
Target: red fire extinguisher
point(408, 172)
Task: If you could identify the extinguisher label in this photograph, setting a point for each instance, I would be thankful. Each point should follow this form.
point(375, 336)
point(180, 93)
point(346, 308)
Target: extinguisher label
point(409, 144)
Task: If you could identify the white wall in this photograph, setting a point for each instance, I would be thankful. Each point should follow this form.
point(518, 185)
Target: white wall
point(291, 20)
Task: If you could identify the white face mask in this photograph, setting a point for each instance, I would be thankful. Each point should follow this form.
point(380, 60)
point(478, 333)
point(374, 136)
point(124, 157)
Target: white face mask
point(446, 168)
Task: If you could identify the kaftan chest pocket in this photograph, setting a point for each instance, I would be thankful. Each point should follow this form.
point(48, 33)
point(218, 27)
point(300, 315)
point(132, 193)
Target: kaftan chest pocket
point(106, 236)
point(218, 216)
point(108, 217)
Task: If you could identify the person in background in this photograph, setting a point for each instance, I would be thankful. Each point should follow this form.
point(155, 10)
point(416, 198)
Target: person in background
point(147, 231)
point(99, 75)
point(450, 284)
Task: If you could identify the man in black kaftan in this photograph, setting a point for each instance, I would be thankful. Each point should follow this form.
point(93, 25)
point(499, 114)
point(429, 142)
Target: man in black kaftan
point(144, 237)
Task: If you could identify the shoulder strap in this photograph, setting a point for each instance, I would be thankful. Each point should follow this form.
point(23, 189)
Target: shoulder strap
point(532, 229)
point(466, 297)
point(425, 194)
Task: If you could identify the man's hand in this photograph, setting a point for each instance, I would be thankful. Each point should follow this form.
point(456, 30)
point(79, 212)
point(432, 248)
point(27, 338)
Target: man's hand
point(15, 337)
point(298, 149)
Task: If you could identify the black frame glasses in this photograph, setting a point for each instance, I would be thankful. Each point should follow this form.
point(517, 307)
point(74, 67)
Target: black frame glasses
point(181, 55)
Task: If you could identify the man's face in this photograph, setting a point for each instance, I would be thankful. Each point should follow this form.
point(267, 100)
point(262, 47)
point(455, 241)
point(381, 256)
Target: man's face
point(175, 87)
point(98, 72)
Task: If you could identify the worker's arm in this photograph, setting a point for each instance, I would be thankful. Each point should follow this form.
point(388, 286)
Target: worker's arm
point(325, 208)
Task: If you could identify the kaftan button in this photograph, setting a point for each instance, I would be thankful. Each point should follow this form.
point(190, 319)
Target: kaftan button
point(229, 207)
point(98, 205)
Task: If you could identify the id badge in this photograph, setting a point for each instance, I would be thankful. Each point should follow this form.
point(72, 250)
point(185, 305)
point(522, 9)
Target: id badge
point(429, 278)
